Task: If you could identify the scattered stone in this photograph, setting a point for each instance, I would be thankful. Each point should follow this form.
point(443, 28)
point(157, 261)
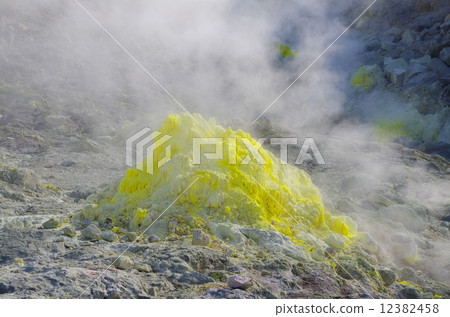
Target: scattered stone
point(388, 276)
point(19, 262)
point(51, 223)
point(123, 263)
point(200, 238)
point(395, 69)
point(91, 232)
point(68, 163)
point(143, 268)
point(109, 236)
point(70, 231)
point(152, 238)
point(132, 236)
point(239, 281)
point(410, 293)
point(348, 271)
point(60, 239)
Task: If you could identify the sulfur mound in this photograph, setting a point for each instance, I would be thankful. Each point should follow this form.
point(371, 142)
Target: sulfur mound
point(272, 196)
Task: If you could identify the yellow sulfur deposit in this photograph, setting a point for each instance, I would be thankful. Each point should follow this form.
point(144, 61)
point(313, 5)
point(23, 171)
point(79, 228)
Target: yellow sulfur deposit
point(366, 76)
point(264, 196)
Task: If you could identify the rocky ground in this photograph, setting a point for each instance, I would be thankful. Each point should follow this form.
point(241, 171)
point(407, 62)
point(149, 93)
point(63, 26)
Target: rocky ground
point(54, 162)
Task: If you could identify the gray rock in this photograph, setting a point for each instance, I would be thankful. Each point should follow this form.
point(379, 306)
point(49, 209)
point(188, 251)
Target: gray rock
point(348, 270)
point(69, 231)
point(124, 263)
point(200, 238)
point(91, 232)
point(398, 76)
point(394, 34)
point(132, 236)
point(395, 69)
point(387, 45)
point(420, 79)
point(226, 293)
point(444, 55)
point(194, 278)
point(437, 66)
point(239, 282)
point(159, 228)
point(445, 27)
point(228, 232)
point(444, 135)
point(373, 45)
point(52, 223)
point(109, 236)
point(410, 293)
point(388, 276)
point(408, 37)
point(424, 60)
point(414, 69)
point(141, 267)
point(68, 163)
point(152, 238)
point(275, 242)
